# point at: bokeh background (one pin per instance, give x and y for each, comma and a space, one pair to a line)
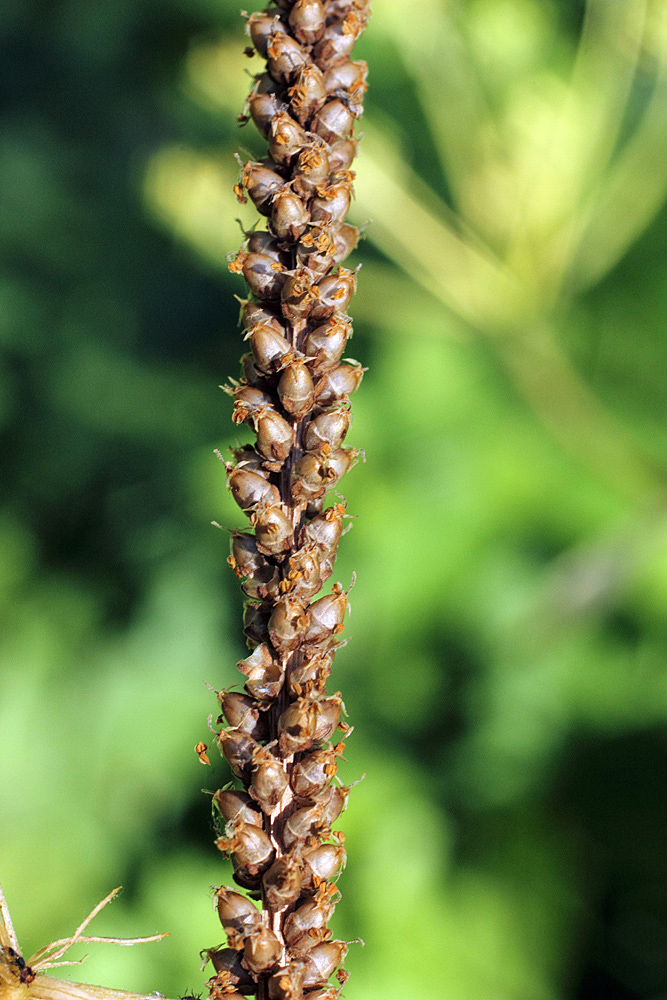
506, 672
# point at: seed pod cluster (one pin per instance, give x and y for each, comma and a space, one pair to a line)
280, 736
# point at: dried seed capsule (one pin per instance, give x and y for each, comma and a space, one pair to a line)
297, 726
250, 489
313, 773
299, 294
245, 560
255, 621
269, 779
247, 400
262, 951
241, 713
345, 241
263, 275
309, 921
253, 313
323, 862
263, 109
308, 482
296, 389
228, 961
337, 42
326, 343
307, 19
322, 961
336, 385
325, 529
289, 216
237, 749
284, 57
304, 574
310, 169
285, 984
236, 912
329, 428
316, 250
262, 185
282, 883
302, 824
336, 291
328, 717
287, 624
341, 155
265, 675
260, 27
247, 457
273, 530
286, 139
250, 846
333, 122
308, 93
234, 805
325, 616
331, 207
350, 76
268, 347
333, 801
275, 436
262, 242
312, 673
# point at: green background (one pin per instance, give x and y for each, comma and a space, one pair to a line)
506, 672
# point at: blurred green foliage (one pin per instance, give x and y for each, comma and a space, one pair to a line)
506, 673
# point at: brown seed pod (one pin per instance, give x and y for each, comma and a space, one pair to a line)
301, 824
297, 726
284, 57
329, 428
250, 489
313, 773
341, 155
336, 291
236, 912
268, 348
334, 121
304, 573
286, 983
263, 275
235, 805
260, 241
263, 577
333, 801
269, 779
247, 400
286, 139
227, 963
255, 622
337, 42
321, 962
336, 385
307, 20
308, 94
262, 186
299, 294
289, 216
262, 950
311, 674
237, 748
250, 846
260, 27
265, 675
287, 624
316, 249
241, 713
328, 717
331, 207
296, 389
248, 458
349, 76
325, 529
275, 437
273, 530
311, 168
282, 882
253, 313
323, 862
308, 923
